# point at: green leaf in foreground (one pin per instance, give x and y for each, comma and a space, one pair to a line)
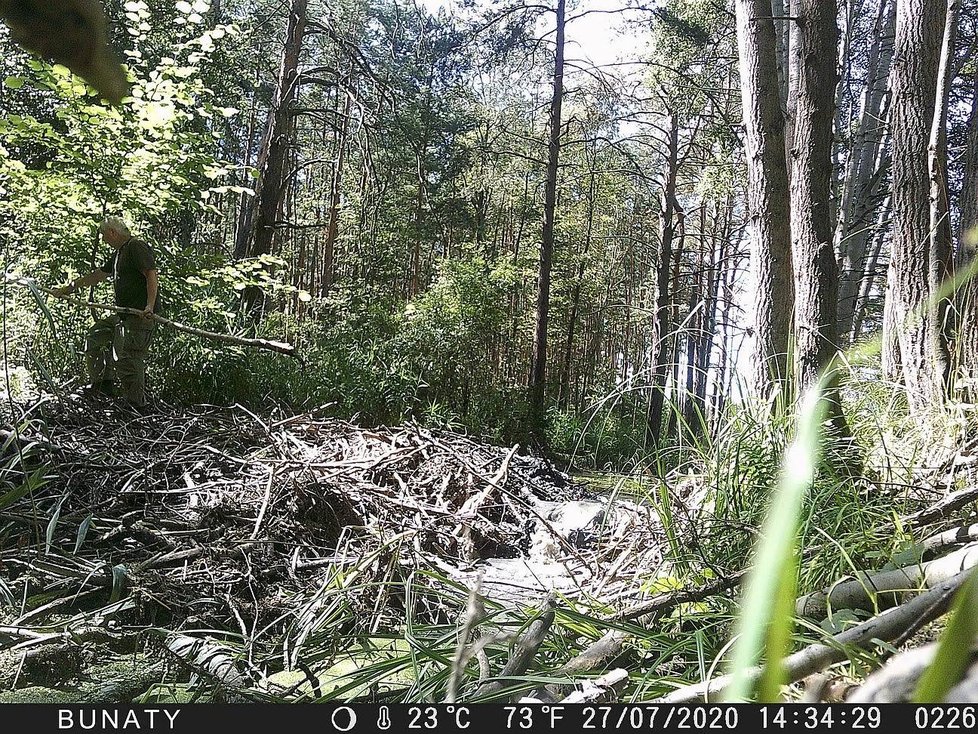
767, 614
954, 650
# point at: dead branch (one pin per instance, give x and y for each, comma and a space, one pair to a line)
526, 648
273, 346
942, 509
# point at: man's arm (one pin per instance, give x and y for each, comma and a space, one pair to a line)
84, 281
152, 285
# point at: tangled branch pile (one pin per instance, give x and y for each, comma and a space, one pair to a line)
221, 519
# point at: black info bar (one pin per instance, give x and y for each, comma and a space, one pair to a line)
479, 718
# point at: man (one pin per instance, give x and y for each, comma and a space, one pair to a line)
116, 347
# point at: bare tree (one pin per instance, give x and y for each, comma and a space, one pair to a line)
255, 237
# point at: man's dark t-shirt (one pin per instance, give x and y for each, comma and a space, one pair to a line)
126, 266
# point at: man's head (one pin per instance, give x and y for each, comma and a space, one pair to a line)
114, 231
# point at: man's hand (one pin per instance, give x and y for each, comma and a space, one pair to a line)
147, 312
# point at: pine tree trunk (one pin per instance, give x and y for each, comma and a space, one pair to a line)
663, 309
941, 248
968, 249
813, 255
911, 344
861, 189
565, 371
767, 193
335, 190
538, 376
271, 163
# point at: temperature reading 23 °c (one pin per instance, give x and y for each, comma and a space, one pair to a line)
430, 717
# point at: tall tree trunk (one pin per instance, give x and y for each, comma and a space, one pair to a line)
871, 270
816, 274
538, 376
335, 190
663, 297
968, 249
271, 161
767, 193
911, 344
861, 195
941, 248
565, 370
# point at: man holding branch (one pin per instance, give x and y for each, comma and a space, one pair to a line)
116, 346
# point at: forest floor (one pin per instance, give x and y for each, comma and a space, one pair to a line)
136, 527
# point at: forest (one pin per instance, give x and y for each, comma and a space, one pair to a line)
574, 351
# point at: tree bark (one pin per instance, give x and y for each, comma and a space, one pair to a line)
941, 248
816, 273
563, 397
663, 311
256, 238
968, 248
767, 193
908, 321
335, 190
538, 376
861, 195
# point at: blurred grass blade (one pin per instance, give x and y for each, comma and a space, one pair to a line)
766, 619
53, 524
82, 532
954, 650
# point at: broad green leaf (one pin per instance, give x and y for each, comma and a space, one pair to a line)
8, 499
14, 82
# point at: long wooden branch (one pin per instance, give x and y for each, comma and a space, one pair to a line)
273, 346
942, 509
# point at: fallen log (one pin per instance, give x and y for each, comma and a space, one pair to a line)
272, 346
881, 589
886, 627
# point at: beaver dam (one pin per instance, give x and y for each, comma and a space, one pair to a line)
214, 554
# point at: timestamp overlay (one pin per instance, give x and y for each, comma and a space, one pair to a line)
479, 718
